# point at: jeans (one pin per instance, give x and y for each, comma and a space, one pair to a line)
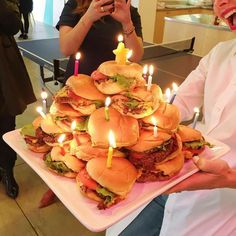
149, 221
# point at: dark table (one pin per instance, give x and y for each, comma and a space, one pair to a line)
172, 64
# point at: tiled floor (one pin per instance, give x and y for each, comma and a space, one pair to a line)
22, 216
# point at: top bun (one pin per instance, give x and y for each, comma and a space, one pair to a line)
147, 140
83, 86
37, 122
49, 126
188, 134
125, 128
129, 70
167, 117
119, 178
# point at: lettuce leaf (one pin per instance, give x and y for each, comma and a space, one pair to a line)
28, 130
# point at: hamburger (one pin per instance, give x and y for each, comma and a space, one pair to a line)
107, 186
192, 140
63, 164
87, 151
51, 131
112, 78
33, 136
79, 96
125, 128
156, 158
64, 119
138, 102
167, 117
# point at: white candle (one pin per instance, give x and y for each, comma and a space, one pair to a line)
112, 144
44, 96
196, 115
60, 141
40, 111
129, 54
107, 104
174, 89
167, 95
151, 70
154, 121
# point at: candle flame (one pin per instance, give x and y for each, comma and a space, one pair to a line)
73, 125
154, 121
151, 70
61, 138
175, 87
44, 95
129, 54
168, 93
78, 55
40, 111
196, 110
145, 69
120, 38
107, 101
112, 140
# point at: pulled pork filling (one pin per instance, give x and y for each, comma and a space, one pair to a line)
147, 160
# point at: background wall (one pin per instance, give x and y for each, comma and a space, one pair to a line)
49, 11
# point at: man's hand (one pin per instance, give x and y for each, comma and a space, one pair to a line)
213, 174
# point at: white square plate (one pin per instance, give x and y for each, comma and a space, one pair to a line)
85, 210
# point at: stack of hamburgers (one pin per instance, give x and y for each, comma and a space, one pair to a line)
139, 154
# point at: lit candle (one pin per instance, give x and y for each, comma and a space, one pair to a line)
40, 111
44, 96
129, 55
154, 121
167, 95
60, 141
112, 144
174, 89
151, 70
196, 115
76, 69
121, 52
145, 70
107, 104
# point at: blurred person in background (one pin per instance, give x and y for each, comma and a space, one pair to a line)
16, 91
26, 7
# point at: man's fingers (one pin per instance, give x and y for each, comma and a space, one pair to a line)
217, 167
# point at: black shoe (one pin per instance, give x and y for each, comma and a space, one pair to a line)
8, 180
25, 36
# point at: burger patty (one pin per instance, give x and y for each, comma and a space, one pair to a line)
54, 138
151, 176
37, 140
147, 160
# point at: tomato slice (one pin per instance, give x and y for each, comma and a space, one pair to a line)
87, 180
73, 95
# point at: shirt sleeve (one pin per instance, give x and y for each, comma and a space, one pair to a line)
136, 19
68, 16
191, 92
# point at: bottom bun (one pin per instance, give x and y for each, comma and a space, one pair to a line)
91, 194
164, 171
39, 149
71, 174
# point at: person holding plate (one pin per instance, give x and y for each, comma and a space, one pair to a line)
211, 208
